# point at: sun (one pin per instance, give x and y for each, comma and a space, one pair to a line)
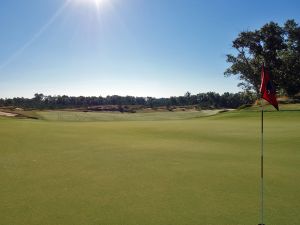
97, 3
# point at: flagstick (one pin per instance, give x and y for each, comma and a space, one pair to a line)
262, 163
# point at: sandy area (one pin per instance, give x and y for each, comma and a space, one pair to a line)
7, 114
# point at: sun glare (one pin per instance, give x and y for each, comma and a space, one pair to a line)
97, 3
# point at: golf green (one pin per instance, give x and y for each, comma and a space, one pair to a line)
192, 170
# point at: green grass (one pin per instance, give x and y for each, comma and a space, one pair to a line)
153, 171
268, 107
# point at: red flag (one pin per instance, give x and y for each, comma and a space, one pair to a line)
267, 88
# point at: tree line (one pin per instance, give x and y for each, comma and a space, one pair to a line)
201, 100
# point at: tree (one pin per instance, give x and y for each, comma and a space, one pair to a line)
291, 58
278, 47
202, 100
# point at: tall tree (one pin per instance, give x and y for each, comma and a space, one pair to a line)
277, 47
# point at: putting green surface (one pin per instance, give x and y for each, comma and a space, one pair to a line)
202, 171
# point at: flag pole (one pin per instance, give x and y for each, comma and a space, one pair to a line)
268, 93
262, 166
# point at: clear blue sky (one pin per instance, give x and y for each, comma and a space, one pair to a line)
125, 47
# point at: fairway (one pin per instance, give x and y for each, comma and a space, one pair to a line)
154, 170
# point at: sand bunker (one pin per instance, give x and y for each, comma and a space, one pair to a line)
7, 114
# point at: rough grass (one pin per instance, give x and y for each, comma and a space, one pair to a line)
73, 116
202, 171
